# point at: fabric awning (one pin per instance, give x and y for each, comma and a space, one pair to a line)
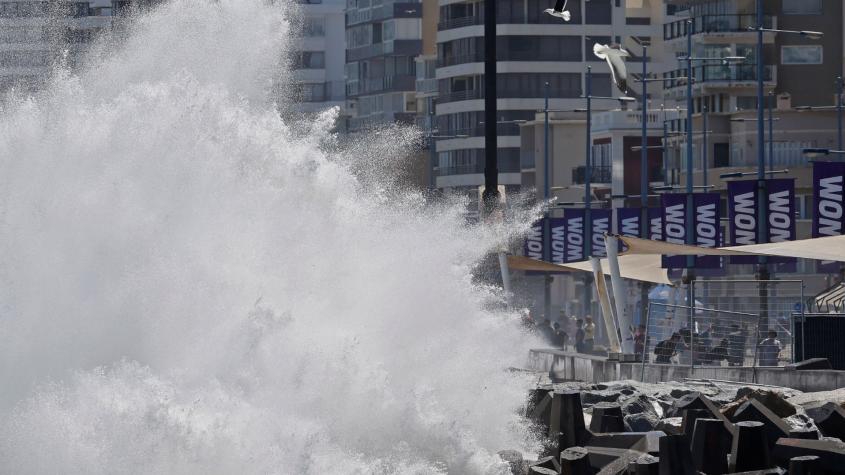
645, 268
831, 248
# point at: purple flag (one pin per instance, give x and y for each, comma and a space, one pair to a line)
742, 217
628, 222
557, 227
707, 227
601, 222
828, 216
674, 226
781, 218
574, 223
655, 224
533, 247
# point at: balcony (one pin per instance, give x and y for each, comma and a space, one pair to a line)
461, 170
456, 96
452, 60
720, 73
598, 174
460, 22
714, 24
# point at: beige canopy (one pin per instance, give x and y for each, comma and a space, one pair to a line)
831, 248
642, 267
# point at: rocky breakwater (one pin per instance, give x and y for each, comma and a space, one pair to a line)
627, 427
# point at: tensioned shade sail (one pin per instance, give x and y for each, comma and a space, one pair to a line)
644, 268
830, 248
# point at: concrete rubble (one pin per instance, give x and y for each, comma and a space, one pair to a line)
694, 427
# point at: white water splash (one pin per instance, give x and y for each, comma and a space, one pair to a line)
187, 285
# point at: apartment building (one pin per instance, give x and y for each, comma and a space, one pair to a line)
317, 61
37, 36
383, 39
533, 49
799, 71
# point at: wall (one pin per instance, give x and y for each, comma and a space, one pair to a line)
594, 369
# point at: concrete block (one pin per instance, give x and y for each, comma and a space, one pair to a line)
829, 418
711, 444
647, 465
775, 427
675, 456
575, 461
805, 465
831, 453
547, 462
541, 471
607, 417
689, 417
810, 364
514, 459
750, 448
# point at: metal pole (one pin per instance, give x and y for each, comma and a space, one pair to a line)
704, 146
604, 300
547, 238
432, 181
491, 172
643, 200
771, 138
762, 199
839, 86
623, 320
664, 143
689, 208
588, 224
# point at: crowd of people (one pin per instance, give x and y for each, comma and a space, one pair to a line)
711, 343
716, 344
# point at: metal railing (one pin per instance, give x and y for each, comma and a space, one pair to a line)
459, 22
598, 174
747, 323
456, 96
714, 24
719, 73
453, 60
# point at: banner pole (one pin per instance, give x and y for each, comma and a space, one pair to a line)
604, 301
612, 244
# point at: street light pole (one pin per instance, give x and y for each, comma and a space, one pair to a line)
643, 186
588, 223
771, 136
547, 239
704, 147
839, 87
763, 271
690, 276
491, 172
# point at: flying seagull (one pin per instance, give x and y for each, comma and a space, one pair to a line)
559, 10
614, 55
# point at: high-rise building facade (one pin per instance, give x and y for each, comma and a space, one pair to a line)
319, 56
383, 38
37, 36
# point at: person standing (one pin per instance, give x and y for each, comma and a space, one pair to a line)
639, 341
579, 336
769, 350
589, 334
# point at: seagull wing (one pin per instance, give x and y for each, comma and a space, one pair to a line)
618, 70
600, 51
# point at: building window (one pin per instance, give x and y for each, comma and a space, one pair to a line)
314, 27
805, 54
721, 155
309, 60
802, 7
598, 12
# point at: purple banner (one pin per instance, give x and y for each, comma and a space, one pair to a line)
628, 221
557, 227
828, 216
707, 227
781, 218
742, 217
533, 246
601, 222
655, 224
674, 226
574, 224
